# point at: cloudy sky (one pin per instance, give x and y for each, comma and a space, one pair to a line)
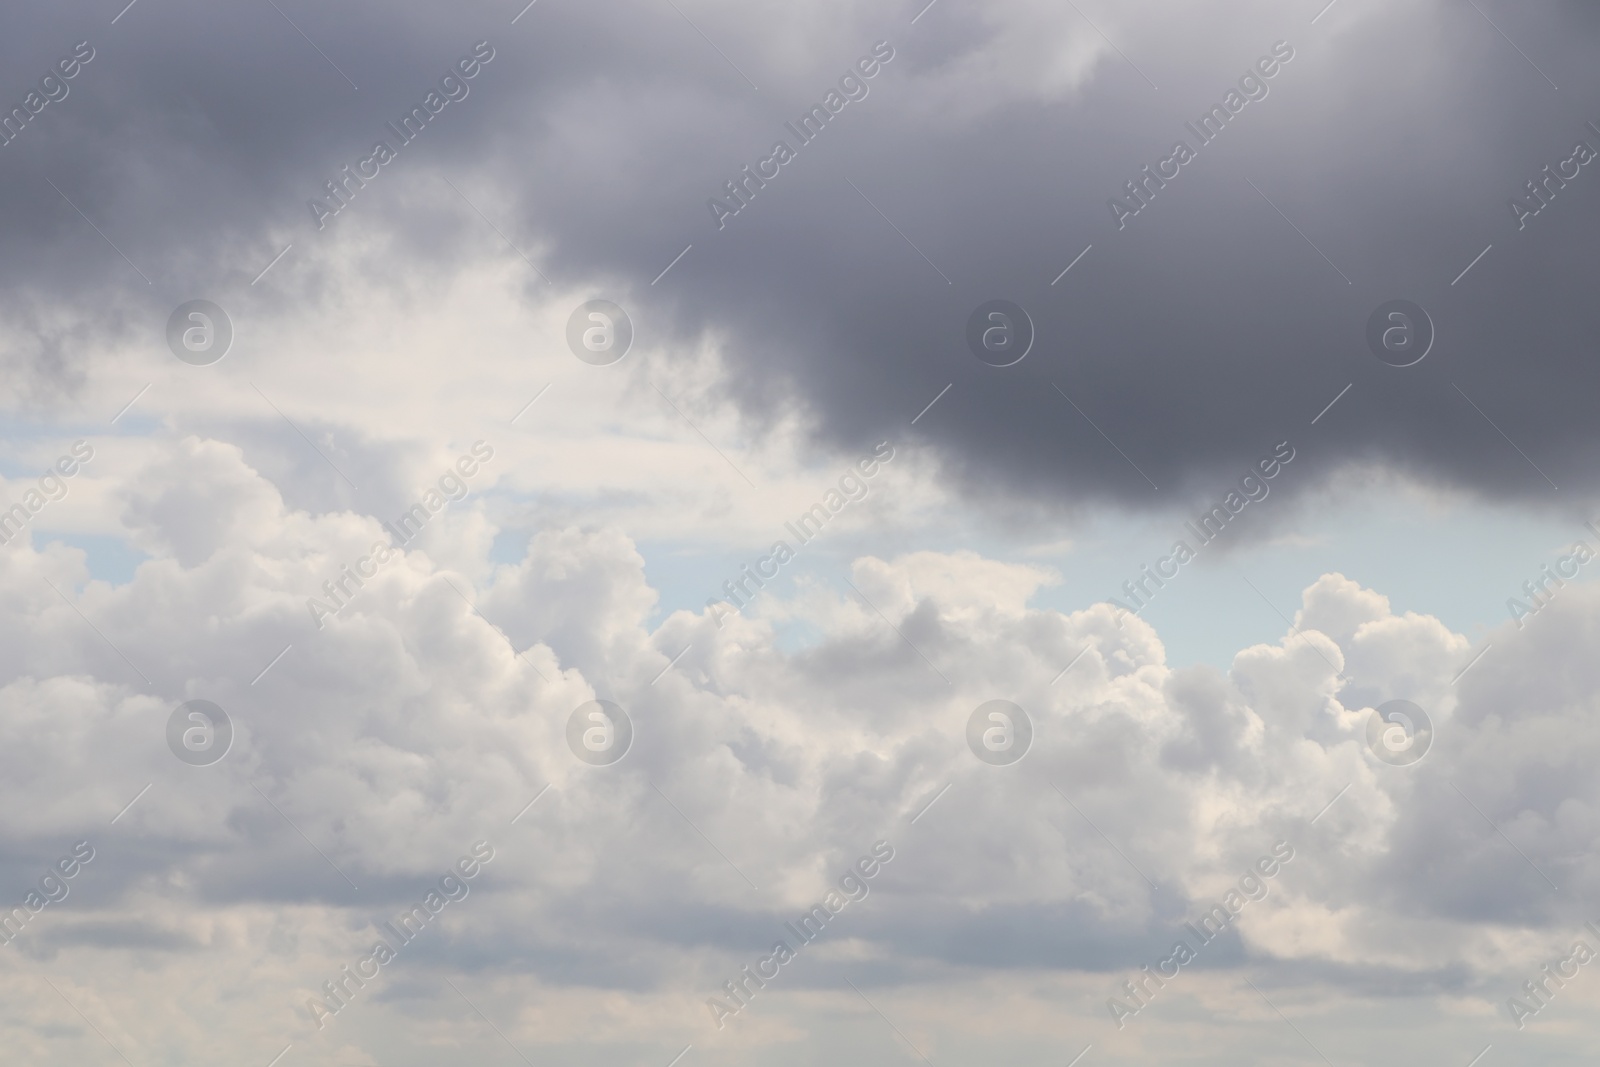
558, 491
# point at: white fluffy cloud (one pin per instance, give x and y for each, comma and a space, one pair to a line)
397, 711
410, 726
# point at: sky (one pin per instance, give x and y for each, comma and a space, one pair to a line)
672, 533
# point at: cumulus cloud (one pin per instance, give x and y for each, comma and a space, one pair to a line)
429, 714
399, 700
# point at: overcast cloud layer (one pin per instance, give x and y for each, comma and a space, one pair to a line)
405, 398
994, 138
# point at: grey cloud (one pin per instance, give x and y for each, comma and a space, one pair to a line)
1194, 339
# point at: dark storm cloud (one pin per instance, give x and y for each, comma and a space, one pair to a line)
1189, 341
